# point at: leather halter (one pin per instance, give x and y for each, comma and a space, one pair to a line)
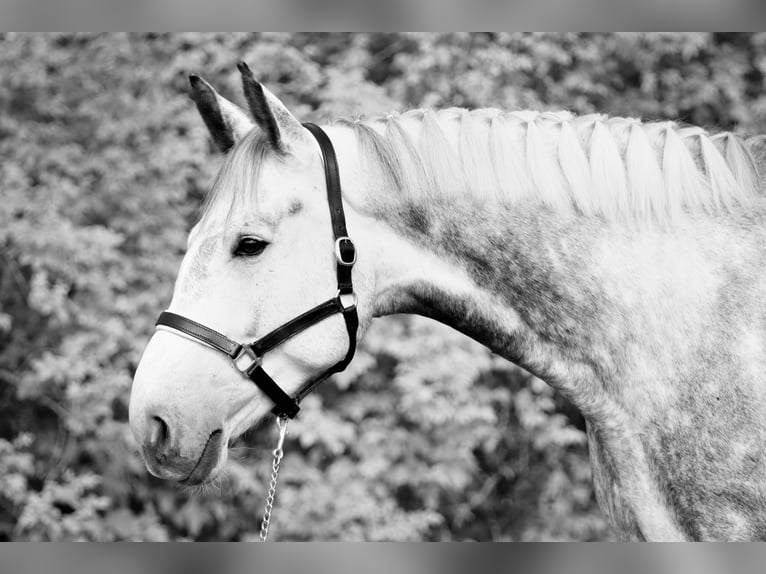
247, 358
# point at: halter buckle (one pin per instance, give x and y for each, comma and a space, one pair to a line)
246, 359
344, 246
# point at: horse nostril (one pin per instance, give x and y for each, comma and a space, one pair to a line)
157, 437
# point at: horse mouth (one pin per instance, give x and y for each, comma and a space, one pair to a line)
207, 462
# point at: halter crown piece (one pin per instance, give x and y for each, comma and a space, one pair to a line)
247, 357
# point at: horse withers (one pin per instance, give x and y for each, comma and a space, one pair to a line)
622, 262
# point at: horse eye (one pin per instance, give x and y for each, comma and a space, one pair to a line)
249, 247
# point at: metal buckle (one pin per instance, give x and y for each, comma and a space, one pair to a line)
246, 353
347, 306
339, 255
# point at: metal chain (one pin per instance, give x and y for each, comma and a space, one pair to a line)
278, 453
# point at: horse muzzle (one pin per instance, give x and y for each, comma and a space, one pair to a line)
190, 464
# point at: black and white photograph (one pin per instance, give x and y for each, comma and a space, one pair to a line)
383, 287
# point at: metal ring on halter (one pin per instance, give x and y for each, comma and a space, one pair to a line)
246, 353
350, 301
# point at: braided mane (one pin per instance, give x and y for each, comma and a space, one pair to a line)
614, 167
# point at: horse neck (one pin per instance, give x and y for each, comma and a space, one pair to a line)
515, 280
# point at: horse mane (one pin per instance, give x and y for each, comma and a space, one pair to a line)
613, 167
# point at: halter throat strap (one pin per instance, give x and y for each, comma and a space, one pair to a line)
247, 357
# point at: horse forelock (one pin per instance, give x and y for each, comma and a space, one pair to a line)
235, 187
614, 167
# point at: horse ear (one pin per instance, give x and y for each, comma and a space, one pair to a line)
270, 114
226, 121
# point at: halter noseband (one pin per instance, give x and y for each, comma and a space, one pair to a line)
247, 358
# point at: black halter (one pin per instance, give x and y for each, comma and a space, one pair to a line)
248, 357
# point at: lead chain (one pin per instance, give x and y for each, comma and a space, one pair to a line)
278, 453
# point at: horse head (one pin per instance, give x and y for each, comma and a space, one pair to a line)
263, 252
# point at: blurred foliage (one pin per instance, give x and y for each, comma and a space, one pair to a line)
427, 436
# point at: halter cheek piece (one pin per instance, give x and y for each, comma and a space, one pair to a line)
247, 358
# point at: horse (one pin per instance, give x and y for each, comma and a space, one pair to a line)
621, 261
